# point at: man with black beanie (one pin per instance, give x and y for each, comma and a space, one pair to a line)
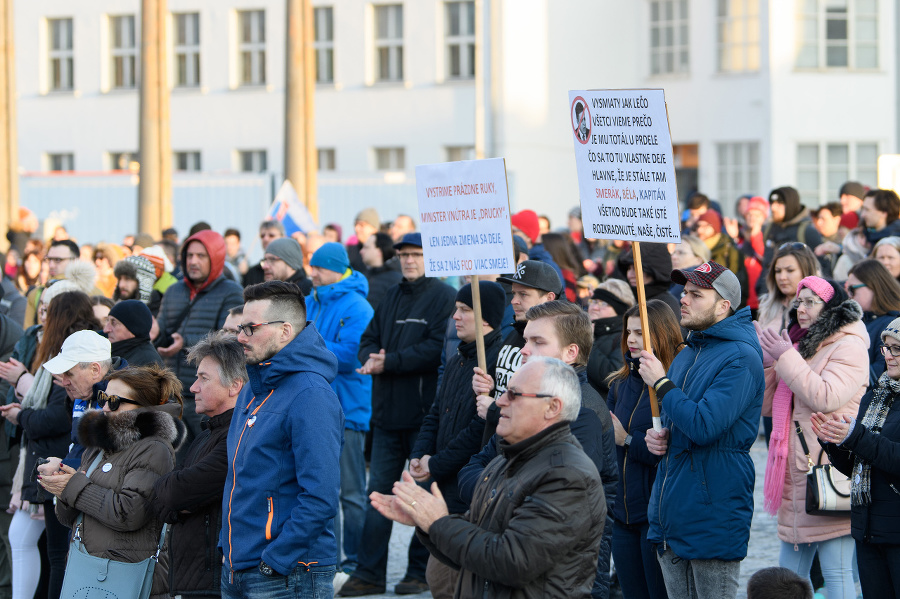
128, 330
451, 432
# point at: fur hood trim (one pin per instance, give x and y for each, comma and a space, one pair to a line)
115, 431
830, 321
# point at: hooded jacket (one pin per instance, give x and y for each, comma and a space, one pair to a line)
205, 306
606, 352
892, 229
655, 260
409, 325
118, 521
826, 375
702, 499
341, 314
796, 225
284, 449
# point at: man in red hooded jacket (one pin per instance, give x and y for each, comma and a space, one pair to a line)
192, 308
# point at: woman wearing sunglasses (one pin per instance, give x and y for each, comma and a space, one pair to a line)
137, 430
867, 449
812, 366
878, 294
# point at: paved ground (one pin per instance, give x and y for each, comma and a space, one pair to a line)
763, 551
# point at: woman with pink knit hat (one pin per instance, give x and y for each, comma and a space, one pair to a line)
812, 366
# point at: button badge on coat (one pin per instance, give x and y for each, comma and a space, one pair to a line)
107, 467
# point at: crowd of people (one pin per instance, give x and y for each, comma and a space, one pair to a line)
269, 421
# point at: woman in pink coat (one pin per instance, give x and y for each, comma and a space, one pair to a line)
818, 364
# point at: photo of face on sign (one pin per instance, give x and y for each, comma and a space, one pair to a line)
581, 120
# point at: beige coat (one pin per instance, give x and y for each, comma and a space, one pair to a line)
832, 380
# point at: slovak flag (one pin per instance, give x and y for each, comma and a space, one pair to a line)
290, 211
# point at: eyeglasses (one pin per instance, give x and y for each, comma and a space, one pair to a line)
851, 289
247, 329
886, 349
807, 303
794, 245
405, 255
270, 260
114, 401
513, 395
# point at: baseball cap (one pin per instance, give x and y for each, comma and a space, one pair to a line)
712, 275
81, 346
409, 239
537, 275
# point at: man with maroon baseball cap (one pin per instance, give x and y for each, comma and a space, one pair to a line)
702, 501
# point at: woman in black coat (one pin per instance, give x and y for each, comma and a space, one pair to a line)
867, 448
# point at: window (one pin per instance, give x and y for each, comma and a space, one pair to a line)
187, 49
456, 153
60, 162
460, 32
123, 51
252, 48
668, 36
838, 34
737, 35
252, 161
120, 161
326, 159
389, 42
738, 173
823, 167
323, 19
187, 161
62, 58
390, 159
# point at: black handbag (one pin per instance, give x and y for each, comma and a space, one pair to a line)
827, 489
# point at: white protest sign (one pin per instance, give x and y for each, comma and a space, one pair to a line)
626, 175
464, 216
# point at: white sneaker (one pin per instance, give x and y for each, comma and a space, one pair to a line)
339, 579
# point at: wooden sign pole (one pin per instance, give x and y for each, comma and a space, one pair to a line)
479, 329
645, 328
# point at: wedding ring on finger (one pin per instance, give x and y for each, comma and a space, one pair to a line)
413, 504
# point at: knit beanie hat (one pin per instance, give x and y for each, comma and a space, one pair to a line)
368, 215
758, 203
493, 301
141, 269
135, 315
527, 222
331, 256
892, 330
712, 218
817, 285
157, 256
288, 250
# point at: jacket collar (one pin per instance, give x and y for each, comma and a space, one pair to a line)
222, 420
115, 431
528, 447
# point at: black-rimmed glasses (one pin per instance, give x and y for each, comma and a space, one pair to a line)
886, 349
247, 329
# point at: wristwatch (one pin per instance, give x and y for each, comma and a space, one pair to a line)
265, 569
627, 442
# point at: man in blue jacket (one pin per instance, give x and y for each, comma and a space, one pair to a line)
340, 311
702, 500
284, 450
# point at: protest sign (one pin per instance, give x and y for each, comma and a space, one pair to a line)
626, 173
464, 216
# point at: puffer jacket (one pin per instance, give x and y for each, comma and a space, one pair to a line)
451, 432
702, 499
190, 498
535, 524
409, 325
629, 401
825, 374
879, 521
284, 450
606, 352
341, 314
118, 522
209, 305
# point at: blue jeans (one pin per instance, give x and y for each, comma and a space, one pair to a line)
353, 496
314, 582
390, 449
699, 578
636, 564
835, 557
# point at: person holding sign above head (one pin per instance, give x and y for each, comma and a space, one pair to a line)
702, 500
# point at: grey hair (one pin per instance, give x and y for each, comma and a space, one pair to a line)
224, 348
105, 365
560, 380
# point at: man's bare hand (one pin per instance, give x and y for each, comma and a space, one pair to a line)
651, 368
483, 403
657, 442
374, 365
418, 468
172, 350
482, 383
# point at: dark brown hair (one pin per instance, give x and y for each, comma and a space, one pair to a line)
561, 252
151, 385
287, 299
665, 335
68, 312
885, 288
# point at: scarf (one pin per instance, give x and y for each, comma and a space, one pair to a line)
882, 399
779, 442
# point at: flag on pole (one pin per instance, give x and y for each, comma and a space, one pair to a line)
290, 211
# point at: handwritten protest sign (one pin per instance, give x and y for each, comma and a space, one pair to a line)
464, 216
626, 174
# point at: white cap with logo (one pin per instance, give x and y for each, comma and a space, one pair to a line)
79, 347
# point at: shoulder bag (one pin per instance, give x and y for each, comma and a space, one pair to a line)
827, 490
89, 577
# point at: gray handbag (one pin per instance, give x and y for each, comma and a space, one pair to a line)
89, 577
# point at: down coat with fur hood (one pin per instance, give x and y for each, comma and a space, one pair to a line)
138, 448
828, 372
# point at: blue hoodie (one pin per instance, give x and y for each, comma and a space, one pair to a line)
702, 499
284, 449
341, 314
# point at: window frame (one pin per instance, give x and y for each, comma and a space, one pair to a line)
251, 53
187, 75
680, 27
57, 57
128, 55
388, 51
59, 157
323, 43
746, 27
258, 161
462, 42
391, 158
830, 175
192, 159
740, 174
813, 53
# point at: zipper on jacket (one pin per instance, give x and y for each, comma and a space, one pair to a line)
208, 564
269, 519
